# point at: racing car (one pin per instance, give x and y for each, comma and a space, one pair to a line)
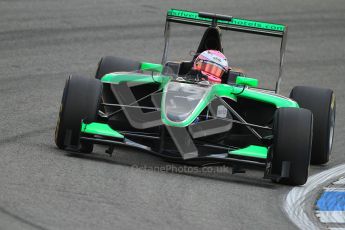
160, 108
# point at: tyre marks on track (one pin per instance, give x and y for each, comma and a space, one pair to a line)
21, 220
17, 137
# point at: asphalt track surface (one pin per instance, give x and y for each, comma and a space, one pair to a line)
42, 42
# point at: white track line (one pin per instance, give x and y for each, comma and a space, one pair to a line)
341, 181
332, 189
295, 200
337, 217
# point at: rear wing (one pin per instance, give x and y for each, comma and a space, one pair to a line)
225, 22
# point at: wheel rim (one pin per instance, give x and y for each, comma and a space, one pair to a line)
331, 133
331, 125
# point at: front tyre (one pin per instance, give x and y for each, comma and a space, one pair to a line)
292, 132
80, 102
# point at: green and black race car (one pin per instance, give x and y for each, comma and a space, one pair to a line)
161, 109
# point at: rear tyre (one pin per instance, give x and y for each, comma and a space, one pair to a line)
292, 131
321, 102
80, 102
111, 64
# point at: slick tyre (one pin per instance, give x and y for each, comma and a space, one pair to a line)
80, 102
292, 132
321, 102
111, 64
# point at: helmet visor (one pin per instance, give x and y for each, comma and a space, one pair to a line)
209, 67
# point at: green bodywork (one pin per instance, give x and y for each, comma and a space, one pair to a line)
116, 78
100, 129
252, 82
251, 151
139, 77
147, 66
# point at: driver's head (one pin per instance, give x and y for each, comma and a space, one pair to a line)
213, 64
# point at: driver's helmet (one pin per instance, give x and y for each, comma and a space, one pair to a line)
211, 63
